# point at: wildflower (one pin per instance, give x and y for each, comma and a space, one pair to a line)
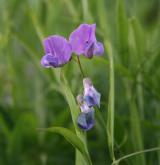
86, 102
57, 52
91, 96
83, 41
86, 120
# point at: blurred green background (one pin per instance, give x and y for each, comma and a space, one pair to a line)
30, 96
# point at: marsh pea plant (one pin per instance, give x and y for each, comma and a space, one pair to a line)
58, 52
95, 96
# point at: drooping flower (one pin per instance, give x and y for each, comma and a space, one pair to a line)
57, 52
83, 41
86, 120
86, 102
91, 96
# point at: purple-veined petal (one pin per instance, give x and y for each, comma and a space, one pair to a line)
82, 104
90, 101
86, 120
48, 61
89, 51
60, 50
82, 37
92, 36
84, 107
91, 96
98, 48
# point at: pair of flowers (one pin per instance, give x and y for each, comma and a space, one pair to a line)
87, 102
58, 51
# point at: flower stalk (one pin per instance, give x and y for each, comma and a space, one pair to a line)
80, 66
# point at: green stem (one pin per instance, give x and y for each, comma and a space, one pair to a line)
80, 66
110, 119
134, 154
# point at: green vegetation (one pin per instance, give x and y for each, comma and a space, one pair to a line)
33, 98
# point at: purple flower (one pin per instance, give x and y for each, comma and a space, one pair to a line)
91, 96
83, 41
86, 120
82, 104
57, 52
86, 102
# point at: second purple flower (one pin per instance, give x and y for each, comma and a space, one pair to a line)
83, 41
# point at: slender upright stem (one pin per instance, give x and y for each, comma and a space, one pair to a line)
110, 119
80, 66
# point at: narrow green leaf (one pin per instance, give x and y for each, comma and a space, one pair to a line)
138, 37
71, 138
71, 102
110, 119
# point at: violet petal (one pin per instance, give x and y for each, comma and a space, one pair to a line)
82, 37
98, 48
48, 61
86, 120
92, 97
60, 50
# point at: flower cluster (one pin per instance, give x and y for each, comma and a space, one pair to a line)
87, 102
58, 50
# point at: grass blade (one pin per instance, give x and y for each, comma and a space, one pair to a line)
110, 120
134, 154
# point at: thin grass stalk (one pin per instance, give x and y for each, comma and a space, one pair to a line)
135, 154
110, 118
